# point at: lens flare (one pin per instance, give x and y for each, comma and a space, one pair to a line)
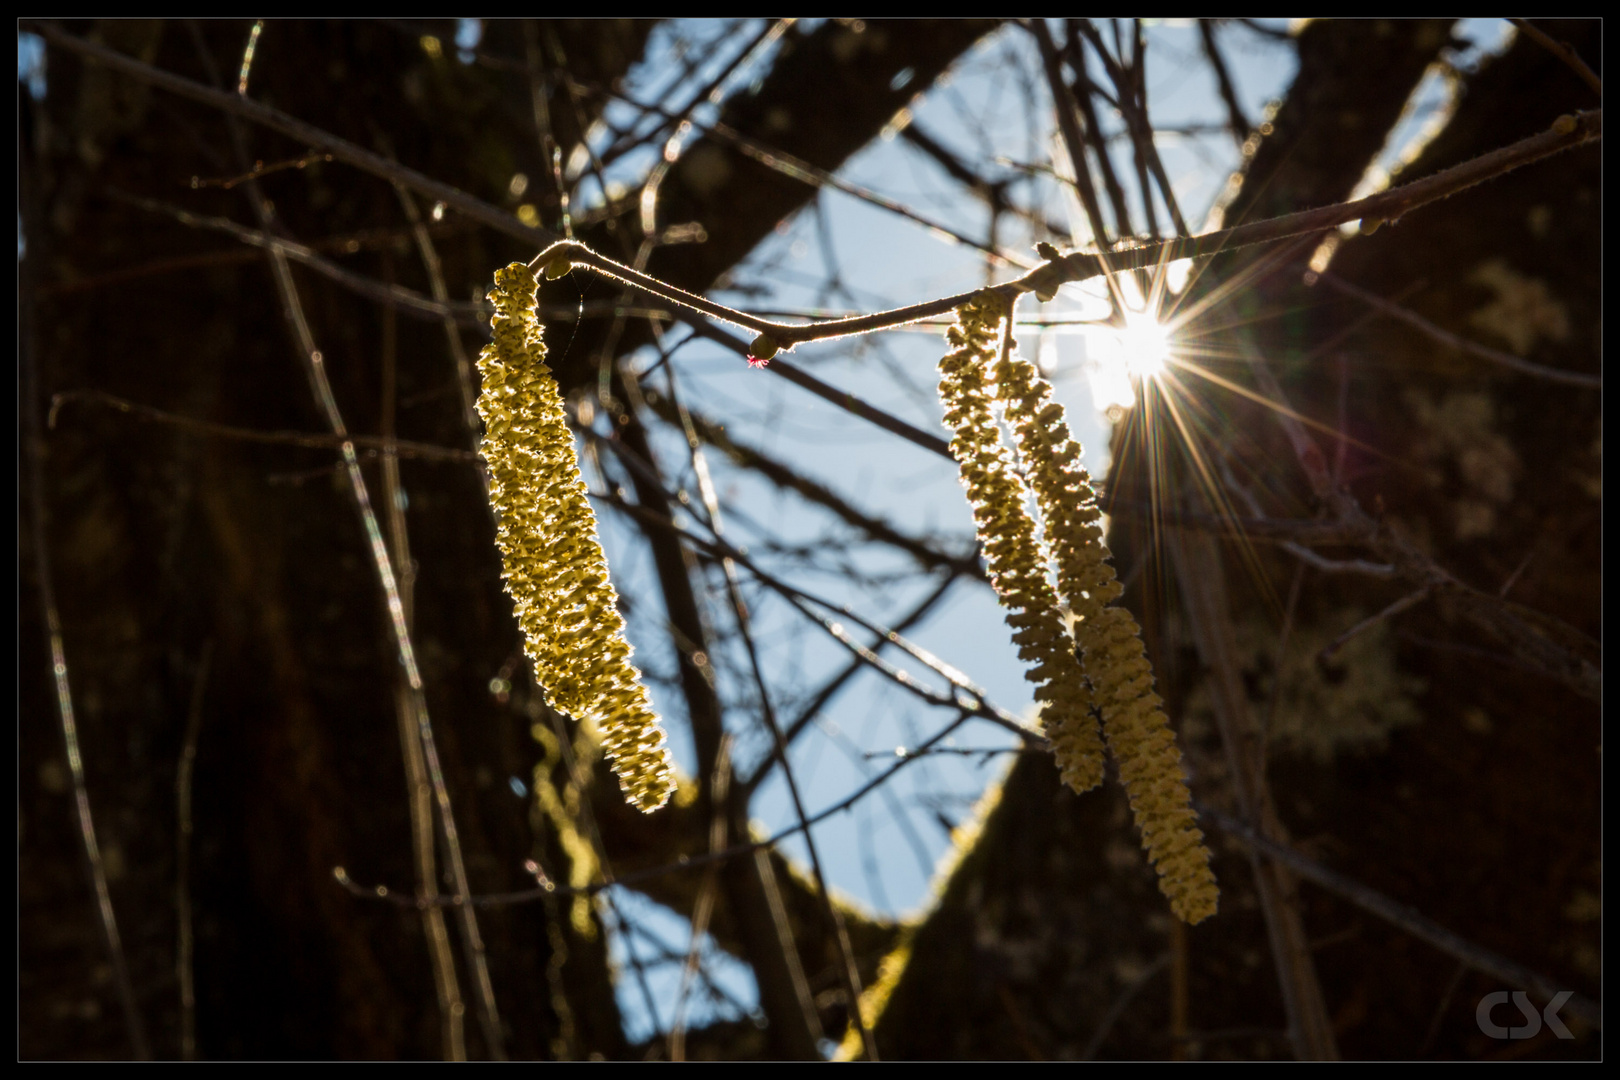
1144, 345
1123, 356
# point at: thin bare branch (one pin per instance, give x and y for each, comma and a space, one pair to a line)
1223, 80
1073, 140
1457, 341
405, 448
783, 476
33, 447
1407, 601
1419, 926
1564, 52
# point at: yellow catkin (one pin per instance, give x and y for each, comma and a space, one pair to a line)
1013, 552
1116, 663
555, 571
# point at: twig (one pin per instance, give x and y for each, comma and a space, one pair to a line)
1203, 584
1566, 132
1083, 90
1123, 1001
1564, 51
986, 752
402, 447
1337, 566
441, 295
1407, 919
835, 920
1410, 600
713, 94
825, 391
33, 446
788, 165
1129, 87
718, 785
395, 296
876, 528
630, 880
1223, 80
831, 687
980, 706
247, 57
184, 969
1457, 341
419, 792
1073, 140
261, 169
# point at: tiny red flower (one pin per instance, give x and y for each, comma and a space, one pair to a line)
756, 362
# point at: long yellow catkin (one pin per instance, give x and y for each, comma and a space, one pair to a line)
555, 571
1116, 663
1012, 550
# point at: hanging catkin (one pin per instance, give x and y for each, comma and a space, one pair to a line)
1117, 677
554, 567
1012, 550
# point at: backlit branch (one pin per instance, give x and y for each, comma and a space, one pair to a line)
1566, 132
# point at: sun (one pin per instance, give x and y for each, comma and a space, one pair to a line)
1144, 345
1121, 356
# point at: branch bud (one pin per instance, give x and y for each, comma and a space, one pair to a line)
763, 348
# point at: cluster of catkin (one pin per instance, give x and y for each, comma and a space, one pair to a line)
1110, 673
553, 563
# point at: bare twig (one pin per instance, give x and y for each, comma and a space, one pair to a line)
1409, 600
394, 296
1409, 920
1337, 566
33, 446
1564, 51
845, 400
404, 448
975, 703
1457, 341
452, 1010
1566, 132
695, 862
1223, 79
876, 528
184, 968
1202, 579
718, 784
1083, 90
1123, 1002
851, 977
441, 295
1073, 140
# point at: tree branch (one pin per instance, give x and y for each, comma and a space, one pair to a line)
1565, 133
